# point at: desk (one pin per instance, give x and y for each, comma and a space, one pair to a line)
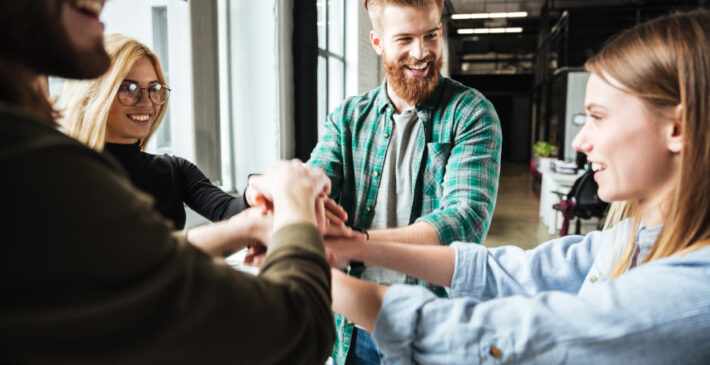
554, 182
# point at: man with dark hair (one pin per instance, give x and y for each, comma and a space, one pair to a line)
414, 161
90, 273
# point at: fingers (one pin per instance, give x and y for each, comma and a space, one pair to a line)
321, 219
333, 219
255, 254
336, 210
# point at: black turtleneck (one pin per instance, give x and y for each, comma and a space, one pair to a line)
173, 181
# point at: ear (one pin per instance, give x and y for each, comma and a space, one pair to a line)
376, 42
674, 133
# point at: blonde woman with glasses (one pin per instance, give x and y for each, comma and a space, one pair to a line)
637, 292
119, 112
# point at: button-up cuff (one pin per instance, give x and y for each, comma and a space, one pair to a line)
469, 279
396, 323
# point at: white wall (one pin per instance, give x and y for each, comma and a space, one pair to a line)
370, 73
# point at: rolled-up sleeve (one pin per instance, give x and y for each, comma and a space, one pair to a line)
560, 264
470, 184
622, 321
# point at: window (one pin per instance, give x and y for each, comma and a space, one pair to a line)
160, 47
331, 57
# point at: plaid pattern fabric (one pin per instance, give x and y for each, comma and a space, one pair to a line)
456, 178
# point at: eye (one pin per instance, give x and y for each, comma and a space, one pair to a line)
594, 117
128, 87
430, 36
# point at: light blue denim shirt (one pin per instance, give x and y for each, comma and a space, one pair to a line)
554, 305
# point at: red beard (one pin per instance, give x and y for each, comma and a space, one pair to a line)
413, 91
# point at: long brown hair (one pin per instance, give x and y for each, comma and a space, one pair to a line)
666, 62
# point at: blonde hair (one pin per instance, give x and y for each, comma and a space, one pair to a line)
666, 62
374, 8
87, 103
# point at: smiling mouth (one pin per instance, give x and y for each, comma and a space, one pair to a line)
91, 8
419, 67
596, 166
139, 117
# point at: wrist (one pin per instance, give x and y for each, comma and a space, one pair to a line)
287, 212
362, 230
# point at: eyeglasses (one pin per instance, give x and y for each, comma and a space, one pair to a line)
129, 93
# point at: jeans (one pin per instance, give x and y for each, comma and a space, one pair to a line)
362, 349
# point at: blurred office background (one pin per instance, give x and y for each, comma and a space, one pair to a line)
253, 81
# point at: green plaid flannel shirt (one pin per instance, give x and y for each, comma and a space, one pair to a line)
456, 180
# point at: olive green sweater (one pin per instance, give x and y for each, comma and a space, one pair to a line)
90, 273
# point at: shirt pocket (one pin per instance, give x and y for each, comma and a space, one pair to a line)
437, 157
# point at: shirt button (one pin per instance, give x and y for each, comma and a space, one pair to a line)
377, 173
368, 209
495, 352
593, 279
387, 135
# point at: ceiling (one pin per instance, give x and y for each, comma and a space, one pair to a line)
531, 6
593, 22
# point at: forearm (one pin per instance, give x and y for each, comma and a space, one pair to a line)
220, 239
357, 300
434, 264
420, 233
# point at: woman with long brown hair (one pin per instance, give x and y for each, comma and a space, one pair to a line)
637, 292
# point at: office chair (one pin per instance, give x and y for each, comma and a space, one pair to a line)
581, 202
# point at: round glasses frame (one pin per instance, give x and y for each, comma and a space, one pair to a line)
129, 93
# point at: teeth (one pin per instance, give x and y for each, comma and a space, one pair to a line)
91, 6
596, 166
139, 117
418, 68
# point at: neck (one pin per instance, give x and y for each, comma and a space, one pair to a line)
119, 140
654, 209
400, 105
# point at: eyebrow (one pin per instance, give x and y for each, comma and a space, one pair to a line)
409, 34
594, 105
136, 82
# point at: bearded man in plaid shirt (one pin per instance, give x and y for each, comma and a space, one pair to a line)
415, 160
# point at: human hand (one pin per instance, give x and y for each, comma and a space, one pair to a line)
259, 223
251, 192
255, 254
335, 214
341, 251
343, 231
296, 192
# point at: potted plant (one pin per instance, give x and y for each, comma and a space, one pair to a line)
544, 153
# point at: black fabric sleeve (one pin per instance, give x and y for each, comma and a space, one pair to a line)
203, 197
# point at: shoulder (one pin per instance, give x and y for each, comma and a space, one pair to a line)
611, 243
355, 106
24, 139
169, 161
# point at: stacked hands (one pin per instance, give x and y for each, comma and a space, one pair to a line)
291, 192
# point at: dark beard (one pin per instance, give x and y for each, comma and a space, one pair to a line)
412, 91
34, 36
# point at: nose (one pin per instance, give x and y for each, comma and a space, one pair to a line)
145, 98
581, 141
418, 50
